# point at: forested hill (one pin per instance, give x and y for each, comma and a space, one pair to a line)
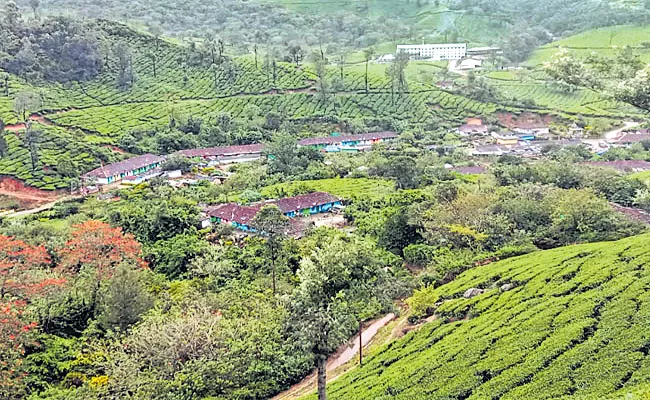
518, 25
571, 322
86, 86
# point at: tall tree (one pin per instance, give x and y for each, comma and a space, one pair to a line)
4, 147
31, 140
273, 226
323, 82
23, 278
101, 248
368, 55
125, 74
34, 4
125, 299
151, 55
11, 13
26, 103
396, 74
341, 277
5, 79
296, 54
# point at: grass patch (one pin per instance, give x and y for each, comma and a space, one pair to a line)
346, 188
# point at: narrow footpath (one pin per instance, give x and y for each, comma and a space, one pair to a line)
344, 354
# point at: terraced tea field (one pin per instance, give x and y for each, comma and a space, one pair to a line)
605, 41
573, 325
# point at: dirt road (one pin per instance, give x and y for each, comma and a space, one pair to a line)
31, 211
345, 353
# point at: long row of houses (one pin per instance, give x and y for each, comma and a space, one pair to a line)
330, 144
141, 167
241, 217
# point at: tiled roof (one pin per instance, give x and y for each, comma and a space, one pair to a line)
633, 137
347, 138
224, 151
301, 202
530, 125
233, 212
244, 214
622, 165
259, 147
125, 166
473, 128
470, 170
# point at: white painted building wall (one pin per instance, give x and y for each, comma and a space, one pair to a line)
443, 51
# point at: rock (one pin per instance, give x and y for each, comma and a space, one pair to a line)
507, 286
472, 293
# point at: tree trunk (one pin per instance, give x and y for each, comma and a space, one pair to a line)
273, 274
360, 345
322, 377
366, 77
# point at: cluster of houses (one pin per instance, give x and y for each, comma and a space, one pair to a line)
241, 217
329, 144
142, 168
527, 137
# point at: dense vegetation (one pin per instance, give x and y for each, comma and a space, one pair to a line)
518, 26
570, 324
130, 295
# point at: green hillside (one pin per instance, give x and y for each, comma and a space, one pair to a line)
604, 41
575, 325
173, 83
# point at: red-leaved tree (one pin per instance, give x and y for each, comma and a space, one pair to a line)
97, 245
23, 277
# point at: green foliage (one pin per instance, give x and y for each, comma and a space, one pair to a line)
573, 325
157, 218
124, 299
172, 256
347, 188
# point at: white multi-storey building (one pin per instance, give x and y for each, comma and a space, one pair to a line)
444, 51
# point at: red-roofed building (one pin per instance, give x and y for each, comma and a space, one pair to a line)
241, 216
627, 138
136, 166
472, 129
475, 170
307, 204
252, 152
363, 139
622, 165
228, 154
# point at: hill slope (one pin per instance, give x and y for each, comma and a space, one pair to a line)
575, 324
604, 41
177, 82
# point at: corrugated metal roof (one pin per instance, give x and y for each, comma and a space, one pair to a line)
125, 166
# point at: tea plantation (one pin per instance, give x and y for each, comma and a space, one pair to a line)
169, 80
346, 188
574, 324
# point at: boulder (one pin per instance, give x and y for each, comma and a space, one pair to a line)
473, 292
507, 286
